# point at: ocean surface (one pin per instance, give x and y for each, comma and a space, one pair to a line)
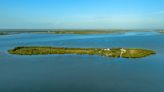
82, 73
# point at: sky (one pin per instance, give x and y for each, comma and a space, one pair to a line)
81, 14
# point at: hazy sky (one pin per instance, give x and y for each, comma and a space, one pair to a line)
85, 14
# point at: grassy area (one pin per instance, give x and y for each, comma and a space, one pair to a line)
114, 52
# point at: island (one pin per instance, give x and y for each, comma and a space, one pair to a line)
83, 32
161, 31
79, 31
109, 52
3, 33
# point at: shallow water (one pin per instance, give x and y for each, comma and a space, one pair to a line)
82, 73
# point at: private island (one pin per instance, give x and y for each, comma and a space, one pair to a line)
79, 32
3, 33
109, 52
85, 31
162, 31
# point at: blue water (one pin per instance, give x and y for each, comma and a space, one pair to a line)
82, 73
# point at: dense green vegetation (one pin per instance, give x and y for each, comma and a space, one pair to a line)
3, 33
114, 52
